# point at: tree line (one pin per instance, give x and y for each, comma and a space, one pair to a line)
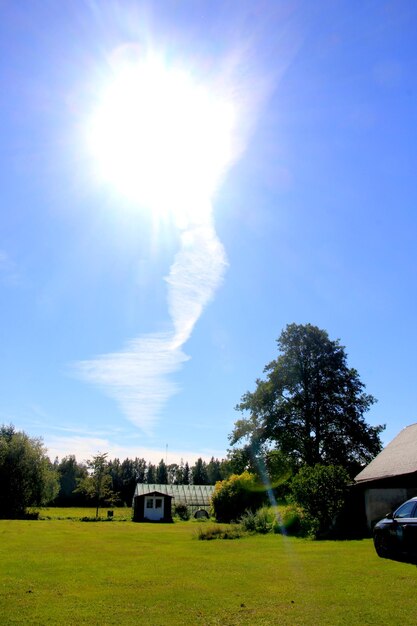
308, 412
124, 475
28, 478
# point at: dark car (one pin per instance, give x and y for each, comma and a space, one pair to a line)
395, 536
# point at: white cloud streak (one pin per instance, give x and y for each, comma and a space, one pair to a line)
194, 277
138, 377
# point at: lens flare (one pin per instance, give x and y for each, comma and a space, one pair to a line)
162, 138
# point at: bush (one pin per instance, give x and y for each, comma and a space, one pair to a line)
207, 533
321, 491
235, 495
291, 521
262, 521
182, 511
248, 521
31, 515
287, 519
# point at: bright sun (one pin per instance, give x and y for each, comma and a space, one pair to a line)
162, 139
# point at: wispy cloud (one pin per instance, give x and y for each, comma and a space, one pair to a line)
138, 377
194, 277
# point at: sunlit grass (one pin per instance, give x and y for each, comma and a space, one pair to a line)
76, 513
70, 572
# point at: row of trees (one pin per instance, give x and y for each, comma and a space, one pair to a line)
29, 479
307, 412
122, 477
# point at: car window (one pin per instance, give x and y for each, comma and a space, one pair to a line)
406, 510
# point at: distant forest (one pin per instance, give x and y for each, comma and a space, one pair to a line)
125, 474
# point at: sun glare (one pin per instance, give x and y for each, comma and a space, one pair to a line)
161, 138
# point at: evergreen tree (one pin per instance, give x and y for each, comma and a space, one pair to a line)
199, 473
70, 473
140, 470
186, 474
214, 472
151, 474
162, 473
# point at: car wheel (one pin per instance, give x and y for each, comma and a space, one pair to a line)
381, 547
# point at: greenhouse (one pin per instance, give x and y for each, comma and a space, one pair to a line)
151, 501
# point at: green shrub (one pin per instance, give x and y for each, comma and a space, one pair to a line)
265, 519
287, 519
262, 521
32, 515
248, 522
290, 520
182, 511
207, 533
321, 491
235, 495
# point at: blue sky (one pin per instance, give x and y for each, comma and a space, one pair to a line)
313, 221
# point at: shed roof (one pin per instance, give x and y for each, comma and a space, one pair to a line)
399, 457
193, 495
154, 493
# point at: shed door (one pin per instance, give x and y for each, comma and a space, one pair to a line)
154, 508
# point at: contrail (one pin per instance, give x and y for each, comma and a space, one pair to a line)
138, 377
199, 140
195, 275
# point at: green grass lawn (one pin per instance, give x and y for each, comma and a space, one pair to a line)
71, 572
76, 513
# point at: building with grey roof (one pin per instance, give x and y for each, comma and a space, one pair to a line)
391, 478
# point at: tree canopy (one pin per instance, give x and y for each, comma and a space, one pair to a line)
69, 474
97, 485
27, 477
310, 405
199, 473
162, 473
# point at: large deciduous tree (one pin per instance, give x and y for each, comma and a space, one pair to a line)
27, 477
310, 405
98, 484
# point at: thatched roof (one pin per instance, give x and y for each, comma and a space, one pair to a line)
399, 457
